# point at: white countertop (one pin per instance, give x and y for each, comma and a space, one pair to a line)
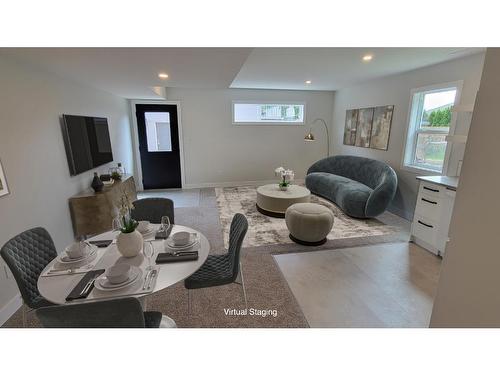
451, 182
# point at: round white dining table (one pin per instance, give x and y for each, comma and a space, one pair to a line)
56, 288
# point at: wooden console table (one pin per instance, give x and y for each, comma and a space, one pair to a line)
92, 213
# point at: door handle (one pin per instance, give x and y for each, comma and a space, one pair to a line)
434, 190
427, 225
428, 201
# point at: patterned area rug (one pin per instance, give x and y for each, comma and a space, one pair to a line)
265, 230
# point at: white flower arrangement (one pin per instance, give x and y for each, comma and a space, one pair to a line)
286, 175
125, 206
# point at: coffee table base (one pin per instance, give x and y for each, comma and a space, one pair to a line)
270, 213
306, 243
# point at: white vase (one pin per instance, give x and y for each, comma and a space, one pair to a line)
129, 244
283, 188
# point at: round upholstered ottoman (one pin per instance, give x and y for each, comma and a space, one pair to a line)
309, 223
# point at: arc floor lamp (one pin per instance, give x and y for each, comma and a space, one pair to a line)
310, 136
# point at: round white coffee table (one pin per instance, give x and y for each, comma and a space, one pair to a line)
272, 201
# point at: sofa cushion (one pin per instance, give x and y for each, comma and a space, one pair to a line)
348, 194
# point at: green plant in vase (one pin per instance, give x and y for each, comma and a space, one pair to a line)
116, 176
129, 241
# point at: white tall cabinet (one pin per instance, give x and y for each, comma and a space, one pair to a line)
431, 221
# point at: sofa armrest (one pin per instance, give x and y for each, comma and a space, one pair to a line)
381, 197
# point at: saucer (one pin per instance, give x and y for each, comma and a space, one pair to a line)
65, 259
192, 241
102, 282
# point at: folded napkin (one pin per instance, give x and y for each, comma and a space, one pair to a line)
101, 243
163, 235
77, 291
180, 257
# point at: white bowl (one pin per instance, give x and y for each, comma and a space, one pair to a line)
118, 273
181, 238
76, 250
143, 226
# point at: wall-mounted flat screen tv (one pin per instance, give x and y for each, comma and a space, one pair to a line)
87, 142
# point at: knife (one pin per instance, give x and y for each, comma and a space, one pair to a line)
153, 274
146, 279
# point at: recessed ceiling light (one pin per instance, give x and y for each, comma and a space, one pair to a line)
163, 75
367, 57
308, 82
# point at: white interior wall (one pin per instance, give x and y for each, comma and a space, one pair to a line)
467, 294
395, 90
33, 155
216, 152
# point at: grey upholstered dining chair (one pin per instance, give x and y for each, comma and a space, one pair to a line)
225, 268
117, 313
153, 209
27, 254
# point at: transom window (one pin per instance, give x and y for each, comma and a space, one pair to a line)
429, 125
268, 113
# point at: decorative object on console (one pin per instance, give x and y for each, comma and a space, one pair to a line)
4, 190
310, 136
97, 184
287, 176
129, 241
368, 127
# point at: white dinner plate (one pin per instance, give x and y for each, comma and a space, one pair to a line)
192, 241
65, 259
102, 282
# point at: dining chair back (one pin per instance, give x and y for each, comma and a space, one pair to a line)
153, 209
225, 268
27, 254
117, 313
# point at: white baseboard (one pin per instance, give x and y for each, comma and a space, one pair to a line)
235, 183
10, 308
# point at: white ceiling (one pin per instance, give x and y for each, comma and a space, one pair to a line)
334, 68
133, 72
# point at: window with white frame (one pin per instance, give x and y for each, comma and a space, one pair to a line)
430, 122
268, 113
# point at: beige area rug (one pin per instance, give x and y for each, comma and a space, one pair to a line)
266, 230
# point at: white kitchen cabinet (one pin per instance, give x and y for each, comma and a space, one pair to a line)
431, 222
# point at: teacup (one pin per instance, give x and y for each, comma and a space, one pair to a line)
77, 250
118, 273
143, 226
181, 238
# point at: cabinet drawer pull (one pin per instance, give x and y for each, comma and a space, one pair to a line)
428, 201
427, 225
434, 190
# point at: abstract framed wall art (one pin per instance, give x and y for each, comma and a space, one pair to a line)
351, 123
381, 128
364, 128
4, 190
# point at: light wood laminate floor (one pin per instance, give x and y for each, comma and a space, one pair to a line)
386, 285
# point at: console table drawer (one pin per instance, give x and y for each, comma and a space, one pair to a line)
425, 229
430, 190
429, 206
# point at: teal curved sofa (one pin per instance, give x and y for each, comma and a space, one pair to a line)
361, 187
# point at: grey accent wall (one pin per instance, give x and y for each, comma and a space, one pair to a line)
218, 152
396, 90
33, 156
